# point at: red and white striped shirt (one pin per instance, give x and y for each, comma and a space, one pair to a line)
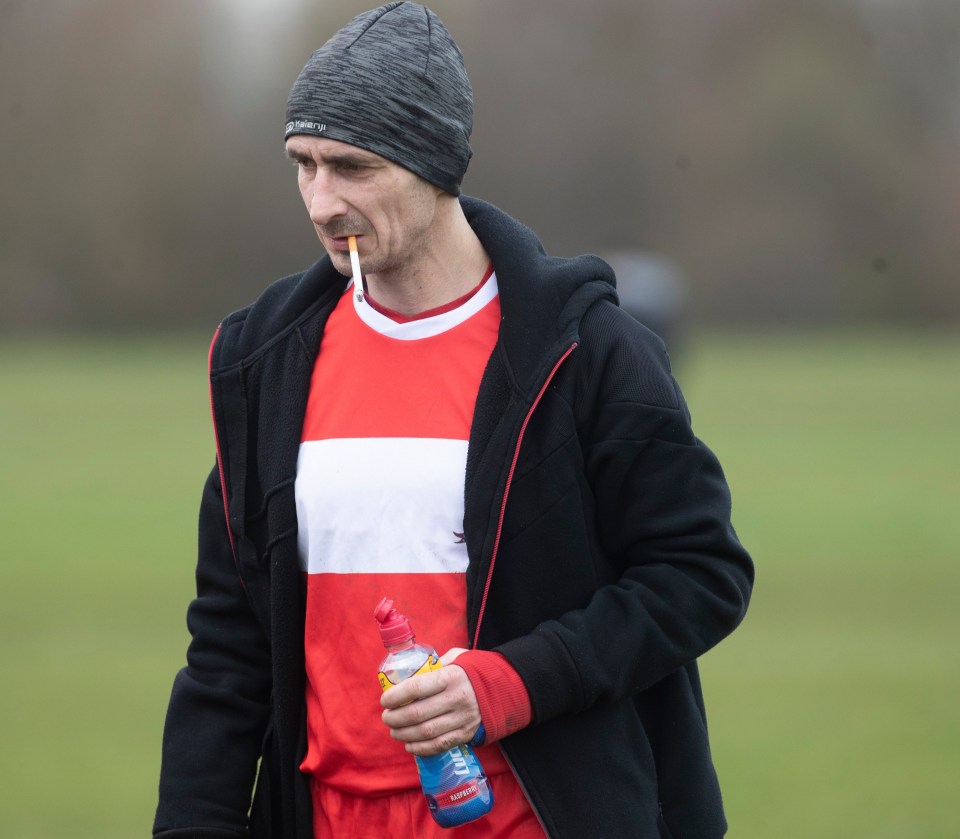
379, 489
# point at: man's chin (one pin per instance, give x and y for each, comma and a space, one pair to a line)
341, 262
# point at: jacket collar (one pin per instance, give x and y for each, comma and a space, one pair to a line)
542, 299
557, 290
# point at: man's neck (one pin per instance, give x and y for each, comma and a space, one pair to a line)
450, 264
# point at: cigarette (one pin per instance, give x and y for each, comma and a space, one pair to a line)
355, 266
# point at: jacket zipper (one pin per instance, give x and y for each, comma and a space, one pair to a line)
216, 439
506, 490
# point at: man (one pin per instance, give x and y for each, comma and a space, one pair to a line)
477, 431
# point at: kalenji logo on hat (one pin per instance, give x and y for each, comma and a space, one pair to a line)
304, 125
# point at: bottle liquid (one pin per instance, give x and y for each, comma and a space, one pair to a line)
454, 783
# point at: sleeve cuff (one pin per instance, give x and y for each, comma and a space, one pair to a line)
501, 693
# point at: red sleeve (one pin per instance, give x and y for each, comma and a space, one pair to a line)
501, 693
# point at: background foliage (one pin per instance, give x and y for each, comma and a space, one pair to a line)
798, 160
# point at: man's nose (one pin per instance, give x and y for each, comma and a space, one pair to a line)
325, 201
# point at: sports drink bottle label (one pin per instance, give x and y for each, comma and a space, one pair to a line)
432, 663
457, 795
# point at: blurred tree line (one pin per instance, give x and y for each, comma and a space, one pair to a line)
799, 160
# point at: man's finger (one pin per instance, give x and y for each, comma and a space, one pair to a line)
416, 687
451, 655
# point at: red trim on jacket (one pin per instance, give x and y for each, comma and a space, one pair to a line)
216, 439
506, 489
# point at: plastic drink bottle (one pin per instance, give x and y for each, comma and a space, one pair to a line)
454, 783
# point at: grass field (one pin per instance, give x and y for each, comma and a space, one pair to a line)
834, 709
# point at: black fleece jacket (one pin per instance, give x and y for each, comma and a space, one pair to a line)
602, 562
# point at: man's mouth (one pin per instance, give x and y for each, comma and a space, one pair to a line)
339, 242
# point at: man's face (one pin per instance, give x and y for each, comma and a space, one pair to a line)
351, 191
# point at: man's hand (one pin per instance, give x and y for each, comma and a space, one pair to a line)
433, 712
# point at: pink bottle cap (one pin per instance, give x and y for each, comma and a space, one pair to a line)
394, 627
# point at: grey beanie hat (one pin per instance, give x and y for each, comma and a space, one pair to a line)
392, 81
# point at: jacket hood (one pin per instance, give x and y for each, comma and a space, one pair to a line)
559, 290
